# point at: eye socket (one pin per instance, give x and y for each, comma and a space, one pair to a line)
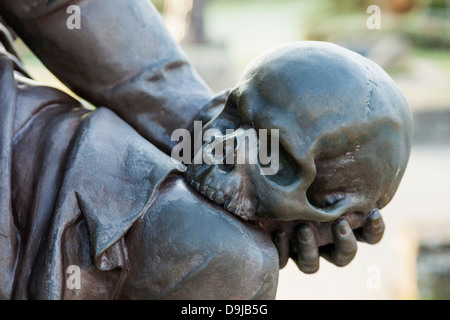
288, 168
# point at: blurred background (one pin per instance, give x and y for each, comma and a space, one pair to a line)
412, 44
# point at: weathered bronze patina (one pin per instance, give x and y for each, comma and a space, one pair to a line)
97, 188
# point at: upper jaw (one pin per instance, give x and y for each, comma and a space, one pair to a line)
231, 192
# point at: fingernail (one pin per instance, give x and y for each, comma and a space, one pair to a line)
343, 228
305, 233
375, 217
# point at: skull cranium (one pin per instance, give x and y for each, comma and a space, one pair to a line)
344, 131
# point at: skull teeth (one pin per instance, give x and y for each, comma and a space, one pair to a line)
211, 192
226, 196
219, 197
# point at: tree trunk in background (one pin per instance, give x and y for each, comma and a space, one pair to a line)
185, 20
196, 31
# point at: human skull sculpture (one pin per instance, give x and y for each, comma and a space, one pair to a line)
344, 136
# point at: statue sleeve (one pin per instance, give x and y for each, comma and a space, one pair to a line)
121, 57
9, 239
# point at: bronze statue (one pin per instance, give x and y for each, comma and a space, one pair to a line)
97, 188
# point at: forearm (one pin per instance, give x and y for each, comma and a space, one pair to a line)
122, 58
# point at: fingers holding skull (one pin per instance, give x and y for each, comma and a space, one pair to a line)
305, 242
306, 255
298, 243
343, 249
373, 229
308, 251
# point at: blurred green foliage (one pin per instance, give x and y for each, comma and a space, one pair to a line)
346, 6
424, 22
429, 26
438, 4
